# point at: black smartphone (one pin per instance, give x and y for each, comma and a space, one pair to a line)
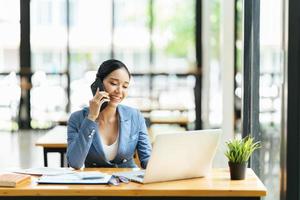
94, 86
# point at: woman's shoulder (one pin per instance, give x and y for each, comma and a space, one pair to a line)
79, 113
128, 110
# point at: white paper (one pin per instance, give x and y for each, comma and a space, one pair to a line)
76, 178
45, 171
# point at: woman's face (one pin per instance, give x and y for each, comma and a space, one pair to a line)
116, 85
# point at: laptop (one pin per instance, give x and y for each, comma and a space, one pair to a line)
183, 155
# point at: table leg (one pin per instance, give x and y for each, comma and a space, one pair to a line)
45, 157
62, 159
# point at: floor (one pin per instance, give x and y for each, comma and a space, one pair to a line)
18, 150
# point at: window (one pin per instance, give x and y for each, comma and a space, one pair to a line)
174, 36
9, 63
9, 35
271, 65
49, 61
131, 37
212, 88
72, 38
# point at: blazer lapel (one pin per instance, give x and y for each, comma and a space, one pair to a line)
98, 145
97, 142
124, 132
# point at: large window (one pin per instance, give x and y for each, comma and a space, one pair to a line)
127, 30
74, 37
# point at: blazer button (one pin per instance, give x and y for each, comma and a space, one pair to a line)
93, 132
124, 161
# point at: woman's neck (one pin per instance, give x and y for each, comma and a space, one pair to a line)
108, 115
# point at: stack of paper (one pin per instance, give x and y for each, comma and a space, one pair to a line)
45, 171
92, 177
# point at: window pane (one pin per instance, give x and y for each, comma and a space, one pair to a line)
49, 55
174, 35
45, 110
212, 88
9, 103
90, 35
9, 35
80, 90
271, 63
238, 66
90, 45
48, 35
131, 34
9, 63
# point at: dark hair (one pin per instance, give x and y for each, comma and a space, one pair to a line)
104, 70
109, 66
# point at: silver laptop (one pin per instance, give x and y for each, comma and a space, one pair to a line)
175, 156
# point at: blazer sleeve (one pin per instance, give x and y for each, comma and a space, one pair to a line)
143, 146
81, 131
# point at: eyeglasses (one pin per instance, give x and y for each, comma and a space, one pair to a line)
116, 180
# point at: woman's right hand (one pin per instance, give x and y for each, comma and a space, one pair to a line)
96, 102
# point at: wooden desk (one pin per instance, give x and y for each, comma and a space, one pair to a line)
217, 186
54, 141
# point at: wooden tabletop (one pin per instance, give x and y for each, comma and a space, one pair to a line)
218, 183
55, 138
180, 120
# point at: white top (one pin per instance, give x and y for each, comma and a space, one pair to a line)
110, 151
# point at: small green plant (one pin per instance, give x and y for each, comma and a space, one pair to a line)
240, 150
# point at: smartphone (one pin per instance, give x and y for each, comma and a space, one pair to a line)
94, 86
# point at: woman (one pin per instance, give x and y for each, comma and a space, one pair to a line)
108, 135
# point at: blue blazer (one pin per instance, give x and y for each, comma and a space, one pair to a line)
84, 141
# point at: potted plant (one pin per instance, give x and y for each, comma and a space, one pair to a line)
238, 153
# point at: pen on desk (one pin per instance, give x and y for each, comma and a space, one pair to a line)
91, 177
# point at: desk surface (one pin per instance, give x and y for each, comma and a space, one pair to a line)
180, 120
218, 183
55, 138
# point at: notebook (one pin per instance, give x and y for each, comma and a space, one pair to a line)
13, 179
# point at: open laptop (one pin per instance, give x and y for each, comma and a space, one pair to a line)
175, 156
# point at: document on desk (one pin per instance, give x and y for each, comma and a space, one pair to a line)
76, 178
45, 171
